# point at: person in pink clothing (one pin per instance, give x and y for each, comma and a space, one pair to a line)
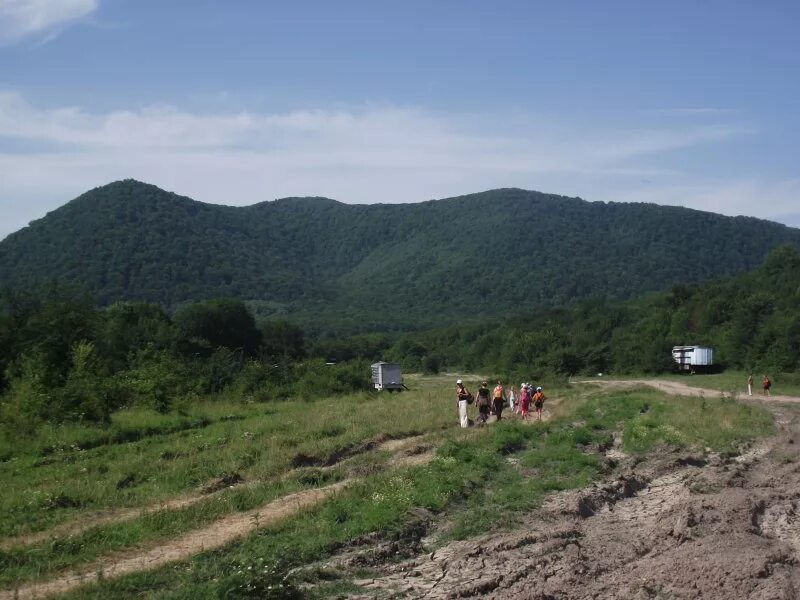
524, 401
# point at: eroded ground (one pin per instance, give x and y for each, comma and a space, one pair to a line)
676, 525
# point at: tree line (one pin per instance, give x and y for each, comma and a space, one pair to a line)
64, 359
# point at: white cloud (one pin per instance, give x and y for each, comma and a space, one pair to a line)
369, 154
770, 199
23, 18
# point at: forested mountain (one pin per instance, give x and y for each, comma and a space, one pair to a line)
752, 321
370, 267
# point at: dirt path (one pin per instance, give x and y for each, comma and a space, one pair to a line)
220, 533
677, 525
678, 388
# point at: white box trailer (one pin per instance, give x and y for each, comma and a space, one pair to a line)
693, 358
387, 376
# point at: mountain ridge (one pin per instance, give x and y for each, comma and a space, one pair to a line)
373, 266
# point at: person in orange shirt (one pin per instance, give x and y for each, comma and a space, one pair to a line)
538, 402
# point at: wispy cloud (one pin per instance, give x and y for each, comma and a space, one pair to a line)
20, 19
692, 111
363, 154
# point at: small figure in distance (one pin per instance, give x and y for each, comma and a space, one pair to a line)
463, 399
767, 384
524, 401
483, 403
538, 402
498, 400
512, 401
750, 385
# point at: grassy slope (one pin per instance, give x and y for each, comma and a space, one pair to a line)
260, 446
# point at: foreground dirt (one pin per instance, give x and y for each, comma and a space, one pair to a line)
675, 526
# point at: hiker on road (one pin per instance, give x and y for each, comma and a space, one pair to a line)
498, 400
463, 396
512, 401
482, 402
750, 385
524, 401
538, 402
766, 383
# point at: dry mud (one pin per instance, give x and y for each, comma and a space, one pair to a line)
672, 526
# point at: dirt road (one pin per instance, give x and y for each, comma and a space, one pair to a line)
679, 388
673, 526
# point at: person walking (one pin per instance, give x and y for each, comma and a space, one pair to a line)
524, 401
483, 403
498, 400
463, 396
750, 385
538, 402
766, 383
512, 401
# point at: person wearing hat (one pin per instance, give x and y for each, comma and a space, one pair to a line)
524, 401
463, 396
538, 402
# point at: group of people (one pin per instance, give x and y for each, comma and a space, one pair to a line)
765, 383
492, 402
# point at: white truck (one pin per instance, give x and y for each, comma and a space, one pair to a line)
387, 376
693, 358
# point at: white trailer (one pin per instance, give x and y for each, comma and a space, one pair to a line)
693, 358
387, 376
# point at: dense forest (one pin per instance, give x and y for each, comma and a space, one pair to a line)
752, 320
340, 268
64, 359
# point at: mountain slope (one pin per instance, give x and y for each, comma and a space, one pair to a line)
378, 266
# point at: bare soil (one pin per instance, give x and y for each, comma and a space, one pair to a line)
676, 525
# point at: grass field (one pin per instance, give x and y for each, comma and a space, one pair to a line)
76, 474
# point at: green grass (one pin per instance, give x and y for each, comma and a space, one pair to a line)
65, 472
480, 480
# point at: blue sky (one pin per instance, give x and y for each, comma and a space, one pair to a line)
686, 103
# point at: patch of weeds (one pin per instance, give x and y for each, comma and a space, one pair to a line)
127, 481
260, 579
313, 477
60, 501
331, 430
703, 486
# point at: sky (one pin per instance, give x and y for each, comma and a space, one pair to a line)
240, 101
